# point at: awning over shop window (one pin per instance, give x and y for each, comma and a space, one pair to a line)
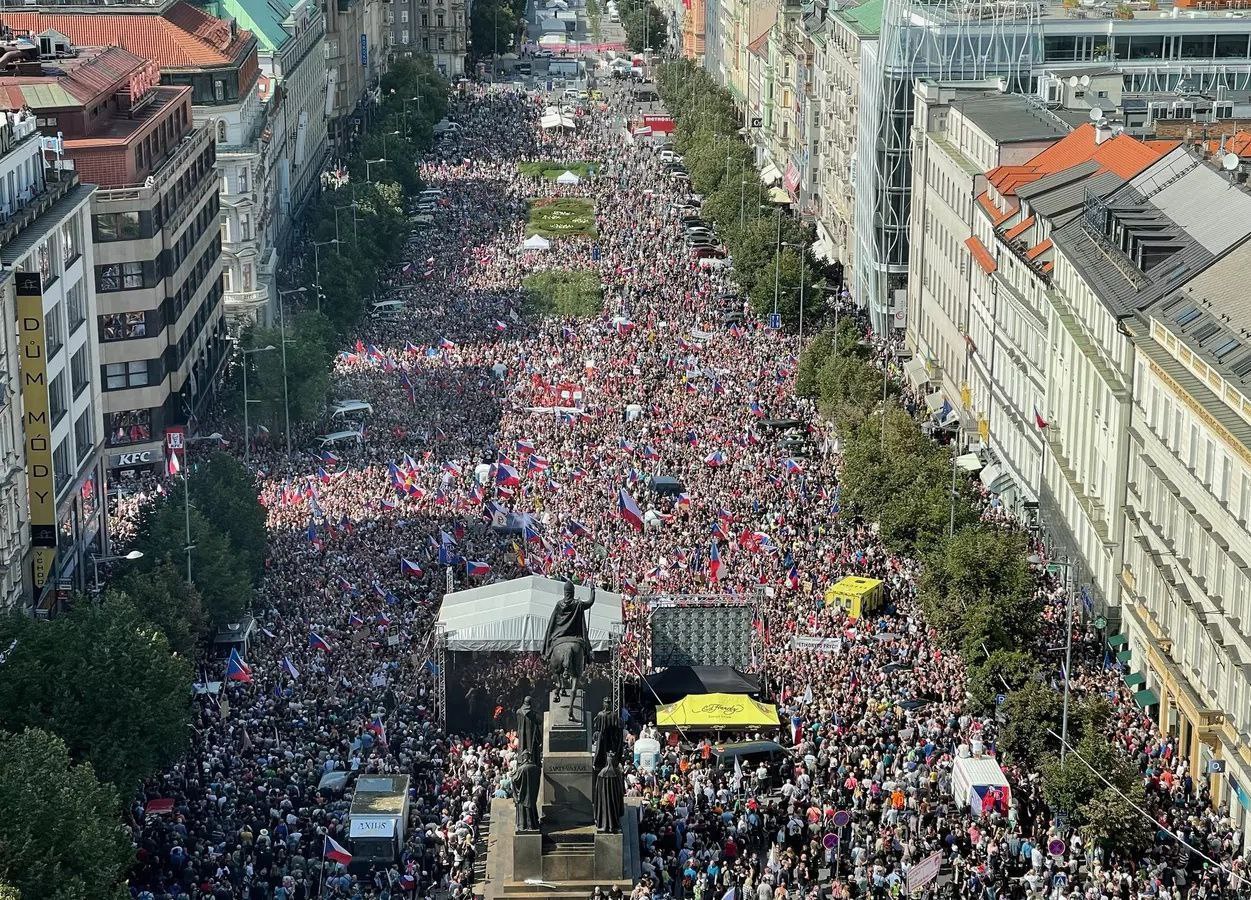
1117, 640
779, 196
969, 462
770, 174
1124, 656
1146, 698
1133, 679
934, 402
916, 372
995, 477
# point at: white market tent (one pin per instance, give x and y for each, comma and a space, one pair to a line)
512, 615
568, 178
536, 242
556, 120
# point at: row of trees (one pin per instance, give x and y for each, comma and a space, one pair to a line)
976, 590
494, 25
769, 247
359, 229
99, 699
646, 26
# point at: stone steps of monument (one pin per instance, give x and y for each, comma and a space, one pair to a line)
480, 858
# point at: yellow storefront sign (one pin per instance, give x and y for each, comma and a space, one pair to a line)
36, 424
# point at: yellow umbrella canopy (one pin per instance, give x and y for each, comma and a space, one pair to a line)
717, 711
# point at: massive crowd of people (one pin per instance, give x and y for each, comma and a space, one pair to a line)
477, 406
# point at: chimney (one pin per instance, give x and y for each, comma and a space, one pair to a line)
1103, 132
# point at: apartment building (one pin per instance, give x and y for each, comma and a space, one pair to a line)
1186, 581
45, 240
961, 40
218, 61
693, 30
437, 27
154, 229
291, 55
15, 545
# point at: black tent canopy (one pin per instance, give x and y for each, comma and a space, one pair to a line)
677, 682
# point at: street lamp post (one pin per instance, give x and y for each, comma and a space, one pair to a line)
802, 261
317, 266
777, 262
286, 395
742, 195
385, 134
380, 159
247, 431
96, 560
356, 236
186, 491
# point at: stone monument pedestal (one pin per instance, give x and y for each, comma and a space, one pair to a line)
565, 800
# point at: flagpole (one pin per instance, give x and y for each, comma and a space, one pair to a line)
321, 878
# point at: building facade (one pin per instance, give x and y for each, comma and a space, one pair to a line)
154, 231
45, 242
437, 27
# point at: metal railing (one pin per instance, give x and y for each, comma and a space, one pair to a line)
187, 148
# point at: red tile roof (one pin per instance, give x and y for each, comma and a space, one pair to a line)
981, 255
182, 37
1239, 143
1123, 155
1018, 229
1035, 252
991, 210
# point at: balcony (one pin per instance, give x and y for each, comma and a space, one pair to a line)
246, 305
189, 147
56, 185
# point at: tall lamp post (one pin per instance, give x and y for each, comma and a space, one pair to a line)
380, 159
802, 261
96, 560
286, 394
317, 265
247, 431
385, 135
777, 262
186, 491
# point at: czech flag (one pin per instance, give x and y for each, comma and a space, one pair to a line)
237, 669
288, 668
792, 578
629, 509
410, 568
345, 585
445, 344
477, 569
574, 527
501, 326
1039, 421
506, 475
524, 447
715, 459
453, 469
317, 642
384, 620
792, 467
537, 463
355, 621
714, 562
334, 852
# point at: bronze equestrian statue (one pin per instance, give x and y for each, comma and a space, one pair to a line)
567, 644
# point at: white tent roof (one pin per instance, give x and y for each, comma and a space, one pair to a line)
536, 242
568, 178
556, 120
512, 615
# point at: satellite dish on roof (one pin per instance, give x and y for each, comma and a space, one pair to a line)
1072, 81
1085, 79
1229, 162
1096, 113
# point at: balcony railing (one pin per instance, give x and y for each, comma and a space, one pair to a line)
56, 185
190, 146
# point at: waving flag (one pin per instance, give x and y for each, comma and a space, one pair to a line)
578, 473
384, 620
476, 568
175, 464
524, 447
410, 568
501, 327
345, 585
506, 475
237, 669
530, 534
445, 344
537, 463
355, 621
651, 453
792, 578
629, 509
1039, 421
334, 852
684, 501
317, 642
756, 409
714, 562
715, 459
574, 527
718, 533
288, 668
453, 469
407, 384
792, 466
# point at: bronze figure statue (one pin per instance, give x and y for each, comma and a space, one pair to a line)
608, 735
526, 781
530, 730
609, 797
567, 644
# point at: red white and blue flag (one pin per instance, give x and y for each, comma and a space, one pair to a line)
317, 642
629, 509
506, 475
409, 568
334, 852
714, 562
237, 669
715, 459
288, 668
476, 568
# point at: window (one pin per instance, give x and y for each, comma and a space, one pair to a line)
79, 367
76, 306
404, 36
442, 42
247, 276
62, 470
244, 178
71, 240
130, 427
404, 15
49, 264
219, 90
119, 376
56, 399
84, 434
245, 227
123, 326
123, 226
425, 20
55, 331
120, 277
439, 19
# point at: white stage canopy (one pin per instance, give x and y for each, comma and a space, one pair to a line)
512, 615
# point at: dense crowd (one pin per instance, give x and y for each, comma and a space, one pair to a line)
467, 392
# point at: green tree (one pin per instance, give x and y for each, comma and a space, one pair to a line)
1003, 671
1100, 811
119, 699
224, 586
645, 27
60, 838
302, 392
164, 598
1032, 712
492, 26
225, 491
787, 274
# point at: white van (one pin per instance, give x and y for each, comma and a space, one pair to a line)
350, 407
336, 438
383, 306
431, 194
